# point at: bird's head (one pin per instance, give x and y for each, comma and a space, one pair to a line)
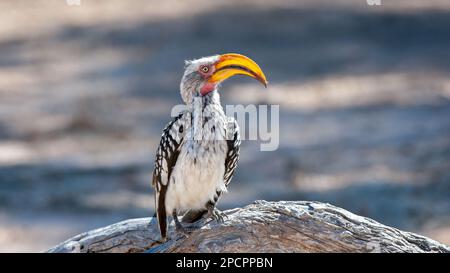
202, 76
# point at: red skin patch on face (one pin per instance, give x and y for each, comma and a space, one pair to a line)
207, 87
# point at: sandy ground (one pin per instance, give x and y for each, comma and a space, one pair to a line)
364, 95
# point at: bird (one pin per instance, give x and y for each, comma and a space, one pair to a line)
199, 148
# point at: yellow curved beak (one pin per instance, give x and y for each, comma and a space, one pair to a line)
236, 64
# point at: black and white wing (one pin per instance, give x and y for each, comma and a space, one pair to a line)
233, 144
165, 160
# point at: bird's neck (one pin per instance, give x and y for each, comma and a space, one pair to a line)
208, 102
206, 112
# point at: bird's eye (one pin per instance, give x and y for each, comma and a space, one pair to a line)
204, 69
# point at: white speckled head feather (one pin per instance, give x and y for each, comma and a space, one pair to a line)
192, 81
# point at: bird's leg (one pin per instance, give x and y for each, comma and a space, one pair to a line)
215, 213
153, 220
180, 228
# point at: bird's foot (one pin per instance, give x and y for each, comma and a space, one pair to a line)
161, 241
181, 230
185, 230
194, 226
217, 215
153, 220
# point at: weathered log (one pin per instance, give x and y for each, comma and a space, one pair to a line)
260, 227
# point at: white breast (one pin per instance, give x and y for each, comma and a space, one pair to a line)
199, 170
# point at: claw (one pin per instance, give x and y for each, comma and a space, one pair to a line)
186, 230
179, 228
217, 215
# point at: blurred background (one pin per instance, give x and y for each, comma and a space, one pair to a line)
364, 95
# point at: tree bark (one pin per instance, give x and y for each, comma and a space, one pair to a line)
260, 227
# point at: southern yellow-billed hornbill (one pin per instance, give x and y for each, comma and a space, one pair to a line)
199, 148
